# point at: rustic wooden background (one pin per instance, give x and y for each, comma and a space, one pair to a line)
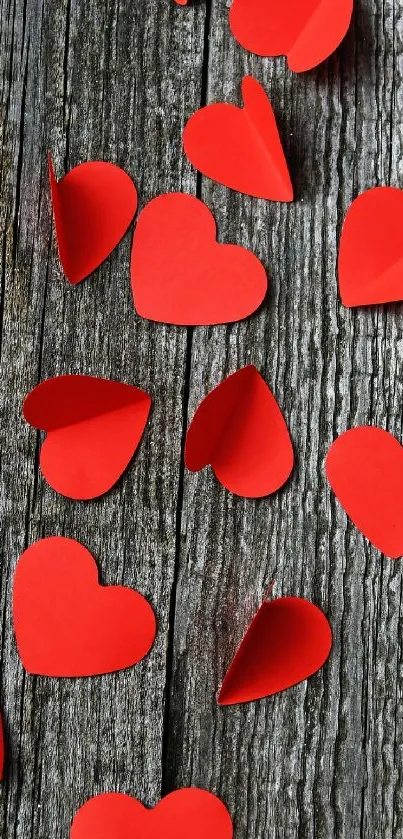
116, 79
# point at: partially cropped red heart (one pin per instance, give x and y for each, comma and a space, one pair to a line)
66, 624
240, 431
181, 275
185, 813
240, 147
364, 467
371, 249
288, 640
93, 206
306, 32
93, 429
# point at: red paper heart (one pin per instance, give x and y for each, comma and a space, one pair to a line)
371, 249
288, 640
93, 429
240, 431
306, 32
1, 749
240, 147
93, 206
182, 814
181, 275
364, 467
66, 624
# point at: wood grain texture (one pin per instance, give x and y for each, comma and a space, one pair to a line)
117, 80
324, 759
88, 80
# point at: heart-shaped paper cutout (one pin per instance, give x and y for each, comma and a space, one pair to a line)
240, 431
93, 206
288, 640
240, 147
1, 749
371, 249
185, 813
364, 467
66, 624
306, 32
181, 275
93, 429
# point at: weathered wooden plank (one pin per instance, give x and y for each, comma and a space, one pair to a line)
109, 79
323, 759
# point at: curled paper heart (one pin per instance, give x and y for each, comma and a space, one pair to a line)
93, 206
240, 147
288, 640
241, 433
306, 32
364, 467
181, 275
371, 249
93, 429
66, 624
182, 814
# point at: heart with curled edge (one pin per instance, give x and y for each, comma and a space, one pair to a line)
371, 249
181, 275
240, 147
93, 206
181, 814
307, 33
93, 426
288, 640
239, 430
66, 624
364, 467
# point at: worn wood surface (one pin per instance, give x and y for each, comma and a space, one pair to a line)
117, 79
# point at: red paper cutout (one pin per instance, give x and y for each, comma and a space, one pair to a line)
306, 32
185, 813
93, 206
181, 275
1, 749
288, 640
364, 467
240, 431
371, 249
66, 623
181, 2
93, 429
240, 147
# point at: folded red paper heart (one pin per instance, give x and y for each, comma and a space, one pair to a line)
240, 147
93, 429
371, 249
66, 624
241, 433
93, 206
364, 467
185, 813
288, 640
306, 32
181, 275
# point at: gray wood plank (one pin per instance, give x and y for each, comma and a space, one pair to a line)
323, 759
110, 79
